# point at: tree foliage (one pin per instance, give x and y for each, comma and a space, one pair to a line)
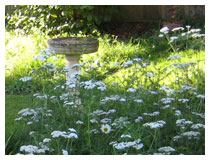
59, 19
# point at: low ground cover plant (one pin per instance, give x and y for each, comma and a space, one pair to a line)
132, 103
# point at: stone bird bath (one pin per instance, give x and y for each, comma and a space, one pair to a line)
73, 48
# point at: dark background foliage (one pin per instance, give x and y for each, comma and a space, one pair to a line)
59, 19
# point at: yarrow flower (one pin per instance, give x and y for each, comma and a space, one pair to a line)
174, 57
166, 150
152, 114
25, 79
131, 90
164, 30
128, 63
105, 128
153, 125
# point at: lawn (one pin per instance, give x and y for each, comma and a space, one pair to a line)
145, 95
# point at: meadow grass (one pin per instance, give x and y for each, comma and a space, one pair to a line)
138, 97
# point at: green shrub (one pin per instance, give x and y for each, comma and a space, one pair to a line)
59, 19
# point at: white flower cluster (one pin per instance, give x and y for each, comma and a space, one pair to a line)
112, 98
138, 100
121, 122
136, 144
182, 123
25, 79
132, 90
33, 114
177, 113
154, 125
174, 57
190, 135
99, 112
183, 100
182, 65
69, 134
126, 136
166, 150
30, 149
198, 126
139, 119
202, 115
91, 84
131, 62
152, 114
47, 53
49, 66
167, 100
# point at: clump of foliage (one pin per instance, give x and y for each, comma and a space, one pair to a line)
59, 19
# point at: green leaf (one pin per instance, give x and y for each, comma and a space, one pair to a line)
89, 17
54, 15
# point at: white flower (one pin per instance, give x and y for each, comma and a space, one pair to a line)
152, 114
161, 35
178, 113
41, 57
138, 146
131, 90
138, 100
65, 152
182, 123
137, 59
56, 134
29, 123
197, 126
164, 30
166, 106
138, 119
153, 125
188, 27
126, 136
93, 121
176, 138
25, 79
105, 128
202, 115
27, 112
173, 38
71, 135
117, 64
167, 100
72, 130
128, 63
29, 149
166, 149
183, 100
177, 29
46, 140
191, 134
31, 133
174, 57
106, 120
94, 131
122, 100
200, 96
79, 122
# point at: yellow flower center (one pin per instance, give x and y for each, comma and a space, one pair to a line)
106, 129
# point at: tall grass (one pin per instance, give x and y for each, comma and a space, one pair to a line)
132, 103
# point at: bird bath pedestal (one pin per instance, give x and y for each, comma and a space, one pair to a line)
73, 47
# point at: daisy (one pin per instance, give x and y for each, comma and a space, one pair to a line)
105, 128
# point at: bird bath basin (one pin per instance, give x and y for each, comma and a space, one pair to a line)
73, 48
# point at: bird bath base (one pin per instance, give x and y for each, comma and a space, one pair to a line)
73, 48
